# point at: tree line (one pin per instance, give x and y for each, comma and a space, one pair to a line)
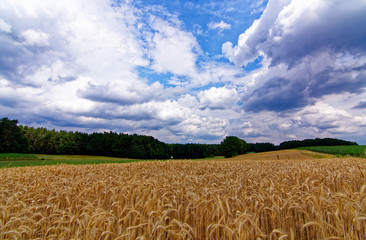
24, 139
314, 142
265, 147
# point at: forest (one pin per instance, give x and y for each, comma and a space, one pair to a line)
24, 139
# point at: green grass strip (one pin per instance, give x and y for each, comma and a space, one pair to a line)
353, 150
13, 160
27, 163
6, 156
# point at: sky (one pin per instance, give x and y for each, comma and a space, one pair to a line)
187, 71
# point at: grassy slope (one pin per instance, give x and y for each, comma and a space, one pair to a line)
24, 160
354, 151
42, 160
14, 156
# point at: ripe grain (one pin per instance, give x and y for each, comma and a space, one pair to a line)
282, 195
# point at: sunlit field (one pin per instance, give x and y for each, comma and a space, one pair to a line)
276, 195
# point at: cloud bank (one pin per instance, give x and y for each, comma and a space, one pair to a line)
312, 51
297, 71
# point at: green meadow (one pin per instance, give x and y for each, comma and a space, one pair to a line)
340, 151
22, 160
25, 160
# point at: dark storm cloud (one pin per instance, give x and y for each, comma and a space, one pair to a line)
300, 90
312, 50
288, 31
11, 56
277, 94
335, 81
338, 28
7, 102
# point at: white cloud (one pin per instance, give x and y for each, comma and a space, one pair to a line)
247, 50
325, 118
158, 112
328, 117
310, 49
88, 43
219, 25
289, 30
76, 64
5, 27
218, 98
35, 38
172, 50
215, 72
202, 126
295, 12
87, 76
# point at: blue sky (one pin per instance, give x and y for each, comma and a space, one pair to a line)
187, 71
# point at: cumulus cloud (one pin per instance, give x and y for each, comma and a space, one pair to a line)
86, 36
172, 49
292, 29
325, 118
313, 56
77, 65
68, 58
310, 48
320, 119
206, 127
279, 88
218, 98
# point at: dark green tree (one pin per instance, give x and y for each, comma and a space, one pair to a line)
42, 140
315, 142
261, 147
232, 146
12, 139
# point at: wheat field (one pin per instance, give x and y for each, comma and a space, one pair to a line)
278, 195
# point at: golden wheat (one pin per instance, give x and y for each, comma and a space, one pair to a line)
281, 195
